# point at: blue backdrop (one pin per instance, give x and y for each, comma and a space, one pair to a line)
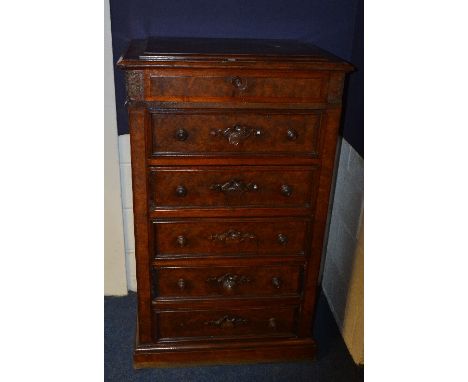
335, 25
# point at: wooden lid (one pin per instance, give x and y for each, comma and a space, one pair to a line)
154, 50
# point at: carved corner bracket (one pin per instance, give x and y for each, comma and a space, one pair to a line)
134, 85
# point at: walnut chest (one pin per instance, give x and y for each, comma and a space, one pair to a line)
233, 143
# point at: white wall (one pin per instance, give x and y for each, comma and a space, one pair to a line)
127, 205
115, 282
343, 274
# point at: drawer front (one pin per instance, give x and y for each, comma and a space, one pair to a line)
239, 86
227, 281
254, 186
229, 236
229, 323
228, 132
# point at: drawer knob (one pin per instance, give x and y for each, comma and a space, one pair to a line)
236, 133
234, 185
227, 322
286, 190
182, 241
181, 135
282, 239
276, 281
239, 83
272, 323
181, 284
292, 134
181, 191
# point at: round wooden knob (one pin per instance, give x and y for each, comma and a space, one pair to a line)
182, 241
291, 134
181, 283
239, 83
282, 239
272, 323
181, 191
276, 281
181, 135
286, 190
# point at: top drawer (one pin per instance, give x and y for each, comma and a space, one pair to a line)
175, 85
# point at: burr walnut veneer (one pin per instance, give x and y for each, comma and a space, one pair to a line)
233, 143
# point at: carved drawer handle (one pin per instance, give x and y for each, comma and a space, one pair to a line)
182, 241
286, 190
236, 133
239, 83
276, 281
229, 281
234, 185
232, 236
181, 135
181, 284
181, 191
227, 322
292, 134
282, 239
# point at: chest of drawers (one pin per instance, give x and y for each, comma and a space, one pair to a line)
233, 144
